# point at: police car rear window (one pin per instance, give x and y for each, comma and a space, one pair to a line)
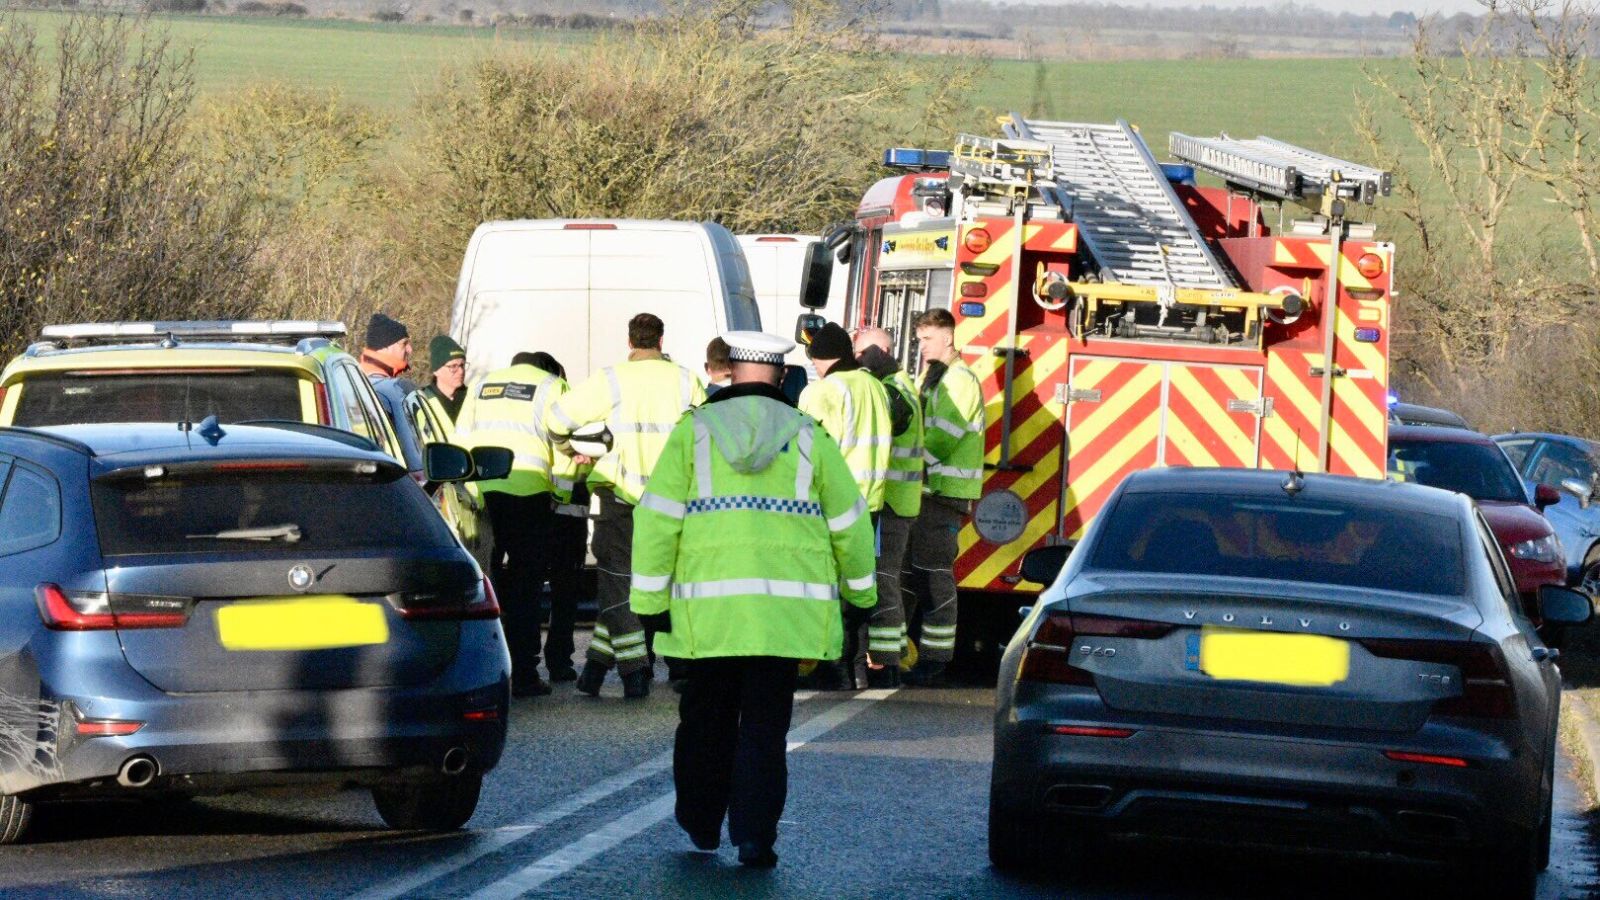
86, 398
256, 513
1283, 540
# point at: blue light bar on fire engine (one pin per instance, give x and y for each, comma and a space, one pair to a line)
907, 158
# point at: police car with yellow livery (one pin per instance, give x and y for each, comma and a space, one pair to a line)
237, 371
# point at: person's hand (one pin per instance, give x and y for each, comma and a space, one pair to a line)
582, 460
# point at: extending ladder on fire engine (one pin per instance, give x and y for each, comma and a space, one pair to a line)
1127, 214
1275, 169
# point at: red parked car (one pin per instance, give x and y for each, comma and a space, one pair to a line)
1468, 462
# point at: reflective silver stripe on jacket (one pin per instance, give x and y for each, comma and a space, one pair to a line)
616, 387
953, 472
862, 583
848, 517
802, 472
651, 582
901, 475
954, 429
662, 505
685, 389
735, 587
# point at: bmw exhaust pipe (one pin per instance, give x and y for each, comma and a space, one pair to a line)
454, 762
138, 772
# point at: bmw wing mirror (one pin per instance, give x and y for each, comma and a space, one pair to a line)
446, 462
491, 463
816, 276
1564, 605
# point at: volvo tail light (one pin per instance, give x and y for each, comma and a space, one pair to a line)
1486, 690
1049, 654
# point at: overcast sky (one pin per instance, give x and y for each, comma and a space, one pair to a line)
1357, 6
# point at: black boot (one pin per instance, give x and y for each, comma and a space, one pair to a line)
636, 684
927, 674
593, 676
884, 678
530, 685
757, 856
829, 676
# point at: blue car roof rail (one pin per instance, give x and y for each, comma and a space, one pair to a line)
57, 439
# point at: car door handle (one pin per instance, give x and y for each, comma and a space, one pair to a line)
1545, 654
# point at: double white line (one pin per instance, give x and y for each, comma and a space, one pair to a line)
564, 860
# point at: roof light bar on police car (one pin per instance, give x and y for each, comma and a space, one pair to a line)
217, 330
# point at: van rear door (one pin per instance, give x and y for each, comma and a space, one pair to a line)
527, 290
666, 272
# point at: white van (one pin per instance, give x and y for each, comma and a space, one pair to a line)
569, 286
777, 266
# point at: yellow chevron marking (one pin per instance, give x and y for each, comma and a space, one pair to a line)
1279, 432
1282, 255
1350, 454
1110, 410
1359, 407
1349, 275
1068, 242
1291, 388
1043, 477
1137, 441
1214, 414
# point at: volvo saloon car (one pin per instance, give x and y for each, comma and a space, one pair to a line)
197, 609
1325, 661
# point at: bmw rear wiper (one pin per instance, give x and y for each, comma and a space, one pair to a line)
287, 533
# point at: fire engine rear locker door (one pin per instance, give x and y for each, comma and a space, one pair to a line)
1113, 427
1212, 416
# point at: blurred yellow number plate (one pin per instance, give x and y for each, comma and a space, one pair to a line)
301, 623
1298, 659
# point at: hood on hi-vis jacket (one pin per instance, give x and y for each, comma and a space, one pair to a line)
747, 434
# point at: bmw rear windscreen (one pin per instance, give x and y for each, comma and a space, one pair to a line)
87, 398
266, 513
1284, 539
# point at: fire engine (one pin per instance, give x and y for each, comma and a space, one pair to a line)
1122, 316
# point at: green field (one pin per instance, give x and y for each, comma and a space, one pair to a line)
1304, 100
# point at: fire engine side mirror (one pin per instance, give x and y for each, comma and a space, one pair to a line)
816, 276
806, 328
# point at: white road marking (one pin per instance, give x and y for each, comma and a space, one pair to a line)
497, 839
561, 862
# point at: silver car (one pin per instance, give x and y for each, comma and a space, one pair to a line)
1319, 660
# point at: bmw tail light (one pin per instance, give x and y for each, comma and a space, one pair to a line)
1049, 654
93, 611
421, 606
1486, 691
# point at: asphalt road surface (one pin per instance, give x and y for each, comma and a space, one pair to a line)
887, 798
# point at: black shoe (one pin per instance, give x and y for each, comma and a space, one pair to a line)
706, 842
593, 676
562, 675
757, 856
927, 674
884, 678
829, 676
529, 686
679, 685
636, 684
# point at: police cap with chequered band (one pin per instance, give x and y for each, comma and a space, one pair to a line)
757, 347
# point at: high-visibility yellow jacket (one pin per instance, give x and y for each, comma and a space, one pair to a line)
506, 409
853, 408
953, 426
446, 423
902, 493
751, 531
640, 401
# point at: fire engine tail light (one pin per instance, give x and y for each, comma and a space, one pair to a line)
977, 240
974, 289
1370, 265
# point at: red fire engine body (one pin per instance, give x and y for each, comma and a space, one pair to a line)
1121, 317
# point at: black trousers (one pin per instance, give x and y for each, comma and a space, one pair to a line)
569, 541
731, 758
521, 534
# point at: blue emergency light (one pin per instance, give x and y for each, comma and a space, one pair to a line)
907, 158
1393, 399
1177, 173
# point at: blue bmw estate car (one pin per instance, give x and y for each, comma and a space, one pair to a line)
193, 610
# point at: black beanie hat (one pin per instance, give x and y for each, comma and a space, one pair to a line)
383, 331
441, 350
830, 342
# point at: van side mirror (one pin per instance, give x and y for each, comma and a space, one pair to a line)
1577, 487
1564, 605
1545, 495
816, 276
446, 462
1042, 565
491, 463
806, 328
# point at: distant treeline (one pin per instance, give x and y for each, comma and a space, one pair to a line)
1287, 18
